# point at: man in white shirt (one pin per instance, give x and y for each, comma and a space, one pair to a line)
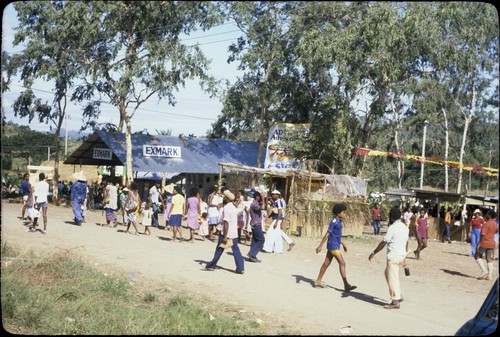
396, 240
228, 237
41, 192
154, 199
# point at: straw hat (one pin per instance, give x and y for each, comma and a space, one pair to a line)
169, 188
125, 189
229, 195
477, 210
79, 176
276, 192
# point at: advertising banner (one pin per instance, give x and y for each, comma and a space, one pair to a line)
278, 156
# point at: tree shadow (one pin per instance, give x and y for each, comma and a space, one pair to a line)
300, 278
456, 273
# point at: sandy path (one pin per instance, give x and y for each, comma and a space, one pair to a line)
440, 295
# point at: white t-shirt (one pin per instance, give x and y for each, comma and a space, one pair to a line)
41, 191
213, 211
231, 216
154, 194
396, 238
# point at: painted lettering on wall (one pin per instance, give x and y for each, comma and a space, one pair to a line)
161, 151
105, 154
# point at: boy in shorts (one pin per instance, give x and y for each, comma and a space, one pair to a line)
334, 236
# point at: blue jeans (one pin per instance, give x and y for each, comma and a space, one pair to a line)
446, 232
474, 239
77, 210
257, 241
238, 258
155, 222
376, 227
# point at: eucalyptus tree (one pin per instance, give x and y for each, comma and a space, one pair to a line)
49, 44
133, 51
264, 94
468, 57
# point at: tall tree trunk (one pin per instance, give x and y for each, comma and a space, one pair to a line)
446, 149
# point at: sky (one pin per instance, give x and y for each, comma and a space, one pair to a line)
193, 113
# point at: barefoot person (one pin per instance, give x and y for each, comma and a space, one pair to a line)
334, 237
396, 240
132, 203
487, 245
421, 233
25, 190
176, 213
41, 193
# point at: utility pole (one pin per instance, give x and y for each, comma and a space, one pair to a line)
426, 122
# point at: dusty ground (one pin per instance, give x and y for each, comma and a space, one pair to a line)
441, 293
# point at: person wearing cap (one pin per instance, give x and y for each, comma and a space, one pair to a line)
476, 223
486, 245
396, 240
273, 243
228, 237
333, 237
78, 196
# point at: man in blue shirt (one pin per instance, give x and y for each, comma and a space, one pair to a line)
78, 195
25, 192
334, 237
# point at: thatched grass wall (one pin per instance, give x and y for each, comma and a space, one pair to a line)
310, 218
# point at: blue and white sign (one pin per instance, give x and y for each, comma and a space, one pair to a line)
105, 154
161, 151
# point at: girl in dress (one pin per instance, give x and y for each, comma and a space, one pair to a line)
203, 230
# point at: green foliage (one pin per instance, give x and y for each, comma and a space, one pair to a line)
69, 297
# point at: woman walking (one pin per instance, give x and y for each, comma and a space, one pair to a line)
192, 212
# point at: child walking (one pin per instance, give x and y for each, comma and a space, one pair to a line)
203, 229
147, 216
334, 236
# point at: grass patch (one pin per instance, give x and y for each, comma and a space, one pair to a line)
60, 294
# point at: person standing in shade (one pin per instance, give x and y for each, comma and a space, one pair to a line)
333, 237
487, 245
396, 240
376, 219
41, 194
228, 237
476, 223
78, 196
447, 225
176, 213
192, 212
154, 201
258, 205
25, 192
168, 192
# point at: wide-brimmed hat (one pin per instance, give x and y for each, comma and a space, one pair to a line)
229, 195
169, 188
276, 192
477, 210
79, 176
125, 189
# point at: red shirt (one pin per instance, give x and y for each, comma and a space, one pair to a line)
477, 222
376, 213
487, 234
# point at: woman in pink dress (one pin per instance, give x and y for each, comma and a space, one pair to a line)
192, 212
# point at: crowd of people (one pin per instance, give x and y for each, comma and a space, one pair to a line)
231, 220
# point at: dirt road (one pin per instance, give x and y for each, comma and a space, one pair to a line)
441, 293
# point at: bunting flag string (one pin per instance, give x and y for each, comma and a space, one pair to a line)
489, 171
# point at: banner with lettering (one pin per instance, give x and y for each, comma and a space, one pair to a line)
278, 156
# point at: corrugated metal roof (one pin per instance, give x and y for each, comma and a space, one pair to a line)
198, 155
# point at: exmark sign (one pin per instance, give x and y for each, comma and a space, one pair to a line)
161, 151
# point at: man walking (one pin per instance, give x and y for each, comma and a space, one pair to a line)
155, 199
376, 219
41, 193
25, 190
396, 240
229, 235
